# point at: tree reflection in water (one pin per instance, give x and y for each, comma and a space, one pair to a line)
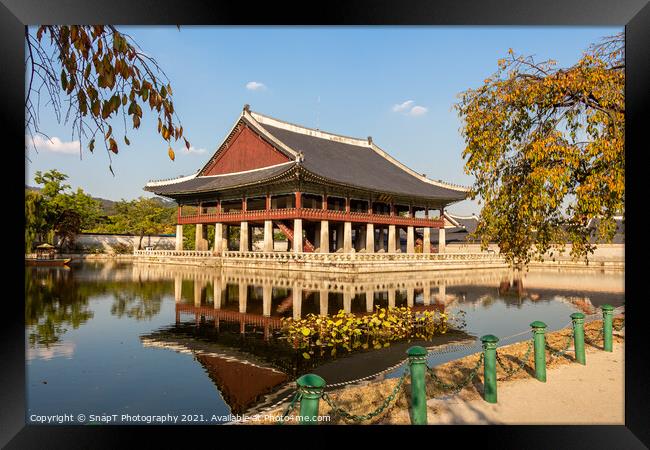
53, 304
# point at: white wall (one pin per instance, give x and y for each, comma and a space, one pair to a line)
89, 241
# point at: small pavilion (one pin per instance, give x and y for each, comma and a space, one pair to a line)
325, 192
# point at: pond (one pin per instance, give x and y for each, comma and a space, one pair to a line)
106, 339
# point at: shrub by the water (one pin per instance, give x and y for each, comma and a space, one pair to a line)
315, 333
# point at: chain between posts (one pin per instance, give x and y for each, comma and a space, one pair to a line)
511, 372
291, 406
557, 353
619, 328
360, 418
457, 387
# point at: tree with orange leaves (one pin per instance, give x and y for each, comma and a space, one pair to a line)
546, 148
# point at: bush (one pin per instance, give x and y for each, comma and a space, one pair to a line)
122, 249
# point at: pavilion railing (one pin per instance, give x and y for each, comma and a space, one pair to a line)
326, 257
309, 214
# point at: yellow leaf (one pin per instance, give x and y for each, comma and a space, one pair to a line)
171, 154
306, 355
305, 331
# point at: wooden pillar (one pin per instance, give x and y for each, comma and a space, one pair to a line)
324, 236
267, 298
410, 240
268, 202
426, 240
298, 200
325, 202
370, 238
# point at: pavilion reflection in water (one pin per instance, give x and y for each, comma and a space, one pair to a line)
229, 320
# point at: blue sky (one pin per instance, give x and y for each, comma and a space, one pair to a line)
396, 84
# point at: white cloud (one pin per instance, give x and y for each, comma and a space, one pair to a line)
54, 145
193, 150
403, 106
409, 107
418, 111
255, 86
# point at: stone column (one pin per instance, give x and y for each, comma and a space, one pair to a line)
370, 301
178, 288
297, 235
218, 238
198, 288
179, 237
426, 240
243, 237
323, 297
410, 240
268, 236
391, 239
391, 298
217, 287
297, 302
347, 301
347, 237
442, 294
410, 297
243, 297
441, 240
324, 236
370, 238
426, 294
267, 297
200, 242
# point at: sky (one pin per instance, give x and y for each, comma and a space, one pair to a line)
396, 84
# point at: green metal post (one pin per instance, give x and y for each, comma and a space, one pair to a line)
608, 315
490, 367
417, 364
539, 328
311, 387
579, 336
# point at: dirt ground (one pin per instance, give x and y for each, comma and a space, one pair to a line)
572, 394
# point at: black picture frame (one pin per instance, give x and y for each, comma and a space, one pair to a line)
633, 14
